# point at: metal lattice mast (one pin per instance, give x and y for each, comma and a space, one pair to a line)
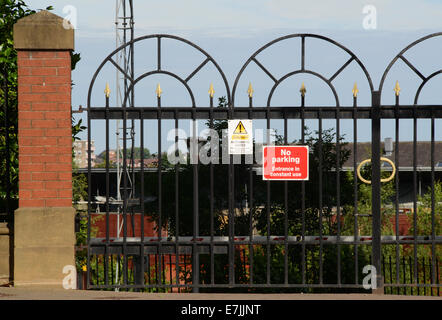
124, 32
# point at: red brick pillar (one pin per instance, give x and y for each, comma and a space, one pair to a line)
44, 236
45, 130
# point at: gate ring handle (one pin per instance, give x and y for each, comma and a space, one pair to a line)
382, 180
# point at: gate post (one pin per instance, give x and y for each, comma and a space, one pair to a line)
44, 222
376, 189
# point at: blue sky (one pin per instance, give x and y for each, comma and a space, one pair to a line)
232, 30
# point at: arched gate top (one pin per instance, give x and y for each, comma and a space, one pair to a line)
303, 36
400, 55
159, 69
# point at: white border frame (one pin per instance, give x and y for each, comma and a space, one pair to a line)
297, 146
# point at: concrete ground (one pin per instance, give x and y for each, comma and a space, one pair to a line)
35, 293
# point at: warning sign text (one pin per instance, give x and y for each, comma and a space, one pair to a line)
285, 163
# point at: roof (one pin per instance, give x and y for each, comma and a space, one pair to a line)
405, 159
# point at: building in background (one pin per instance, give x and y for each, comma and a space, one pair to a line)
80, 153
404, 165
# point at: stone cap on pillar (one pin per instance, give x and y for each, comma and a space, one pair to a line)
43, 31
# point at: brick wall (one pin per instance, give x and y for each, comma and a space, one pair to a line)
99, 225
45, 133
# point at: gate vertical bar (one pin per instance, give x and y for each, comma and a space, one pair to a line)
415, 275
303, 262
195, 253
160, 186
231, 222
158, 91
376, 187
106, 252
286, 212
338, 193
141, 272
89, 197
251, 250
433, 202
177, 222
268, 203
212, 256
355, 189
124, 195
396, 158
320, 198
303, 253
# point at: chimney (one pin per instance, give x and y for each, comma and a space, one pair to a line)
388, 146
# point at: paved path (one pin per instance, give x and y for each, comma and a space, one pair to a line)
61, 294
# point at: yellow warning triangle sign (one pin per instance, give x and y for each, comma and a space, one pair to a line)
240, 129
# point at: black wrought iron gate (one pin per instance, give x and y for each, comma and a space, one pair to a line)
219, 226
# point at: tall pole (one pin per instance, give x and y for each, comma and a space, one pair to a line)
124, 32
376, 189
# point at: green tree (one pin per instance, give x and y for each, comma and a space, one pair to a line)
425, 218
137, 153
102, 164
10, 12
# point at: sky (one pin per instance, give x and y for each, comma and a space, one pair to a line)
232, 30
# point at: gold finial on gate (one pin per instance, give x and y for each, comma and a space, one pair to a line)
303, 90
397, 88
107, 90
158, 91
355, 90
250, 90
211, 90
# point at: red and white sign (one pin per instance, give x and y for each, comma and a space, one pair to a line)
285, 163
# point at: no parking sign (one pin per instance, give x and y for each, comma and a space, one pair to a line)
285, 163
